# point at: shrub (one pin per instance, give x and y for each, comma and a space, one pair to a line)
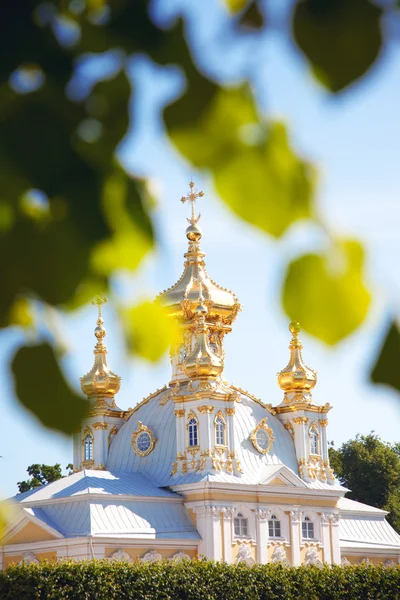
195, 580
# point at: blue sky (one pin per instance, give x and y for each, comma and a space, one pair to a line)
354, 140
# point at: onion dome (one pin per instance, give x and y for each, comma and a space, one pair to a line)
100, 381
202, 362
296, 377
181, 300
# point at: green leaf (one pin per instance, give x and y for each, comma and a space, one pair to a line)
386, 368
41, 388
123, 203
341, 38
149, 341
256, 172
326, 293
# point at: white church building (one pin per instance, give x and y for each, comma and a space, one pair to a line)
200, 467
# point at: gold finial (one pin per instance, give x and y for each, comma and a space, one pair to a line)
100, 381
296, 377
191, 197
294, 329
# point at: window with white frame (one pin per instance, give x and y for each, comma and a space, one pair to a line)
241, 525
219, 431
314, 441
193, 432
88, 447
307, 528
274, 527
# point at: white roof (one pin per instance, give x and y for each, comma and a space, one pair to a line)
367, 531
348, 505
160, 418
95, 482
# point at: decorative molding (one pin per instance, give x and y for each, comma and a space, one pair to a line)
244, 555
279, 556
311, 557
262, 514
29, 558
180, 557
262, 426
290, 429
180, 412
100, 425
230, 412
142, 429
120, 555
295, 516
227, 512
323, 422
299, 420
207, 408
151, 556
87, 431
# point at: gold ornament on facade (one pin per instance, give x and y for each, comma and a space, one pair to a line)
262, 437
180, 412
100, 425
100, 381
300, 420
290, 429
143, 440
230, 412
205, 409
323, 422
296, 376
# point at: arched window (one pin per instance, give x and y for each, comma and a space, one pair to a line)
219, 432
307, 528
314, 441
241, 525
193, 432
88, 447
274, 527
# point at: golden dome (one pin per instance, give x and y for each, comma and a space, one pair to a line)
296, 377
100, 381
182, 298
202, 362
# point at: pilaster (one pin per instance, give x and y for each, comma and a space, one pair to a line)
336, 558
295, 517
326, 537
227, 514
262, 534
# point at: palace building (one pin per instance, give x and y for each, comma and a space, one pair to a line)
200, 467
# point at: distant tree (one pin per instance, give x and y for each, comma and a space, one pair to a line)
41, 475
370, 468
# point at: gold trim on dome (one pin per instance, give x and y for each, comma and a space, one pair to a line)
311, 408
143, 402
262, 425
267, 407
112, 434
142, 429
290, 429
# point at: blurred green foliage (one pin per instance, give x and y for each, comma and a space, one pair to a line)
70, 214
370, 468
42, 475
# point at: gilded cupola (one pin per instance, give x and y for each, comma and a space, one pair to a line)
181, 300
202, 361
100, 382
296, 376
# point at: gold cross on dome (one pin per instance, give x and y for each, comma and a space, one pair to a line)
98, 301
192, 197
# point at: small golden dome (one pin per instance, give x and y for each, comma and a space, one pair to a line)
296, 377
202, 362
100, 381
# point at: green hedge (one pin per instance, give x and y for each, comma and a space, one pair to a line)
196, 580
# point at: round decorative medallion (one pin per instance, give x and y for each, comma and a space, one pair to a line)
262, 437
143, 440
